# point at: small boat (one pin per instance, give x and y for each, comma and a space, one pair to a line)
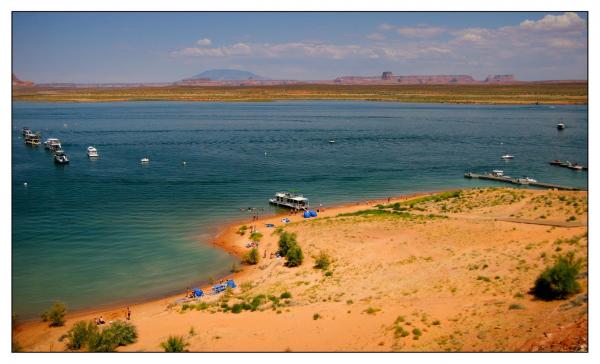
555, 162
497, 173
60, 157
576, 166
145, 160
560, 126
26, 131
507, 156
331, 141
92, 152
52, 144
526, 180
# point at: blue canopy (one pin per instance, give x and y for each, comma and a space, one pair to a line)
231, 283
306, 214
198, 292
313, 213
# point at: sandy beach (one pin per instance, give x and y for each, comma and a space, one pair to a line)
453, 273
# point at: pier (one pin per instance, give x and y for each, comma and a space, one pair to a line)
516, 181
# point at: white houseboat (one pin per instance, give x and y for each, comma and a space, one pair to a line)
92, 152
52, 144
289, 200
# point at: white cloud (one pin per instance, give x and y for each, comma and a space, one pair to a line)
386, 26
203, 42
420, 32
238, 49
376, 36
567, 22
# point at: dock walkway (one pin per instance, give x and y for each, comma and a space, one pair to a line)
517, 182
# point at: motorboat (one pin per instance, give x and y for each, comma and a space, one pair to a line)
26, 131
52, 144
92, 152
497, 173
507, 156
145, 160
560, 126
60, 157
526, 180
331, 141
556, 162
576, 166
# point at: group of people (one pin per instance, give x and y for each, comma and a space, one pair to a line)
100, 320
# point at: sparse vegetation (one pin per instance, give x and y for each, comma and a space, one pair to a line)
174, 344
87, 335
55, 315
256, 236
322, 261
316, 316
242, 230
251, 257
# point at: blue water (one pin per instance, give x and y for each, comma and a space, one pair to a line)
113, 230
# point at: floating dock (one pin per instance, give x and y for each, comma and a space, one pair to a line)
517, 182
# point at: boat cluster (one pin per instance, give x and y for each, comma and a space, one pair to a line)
575, 166
53, 145
500, 174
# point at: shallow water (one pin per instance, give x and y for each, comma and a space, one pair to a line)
113, 230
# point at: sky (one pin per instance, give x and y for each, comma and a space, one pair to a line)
163, 47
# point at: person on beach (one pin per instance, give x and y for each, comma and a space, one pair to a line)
101, 320
188, 292
128, 314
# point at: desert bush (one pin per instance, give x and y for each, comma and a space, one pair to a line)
316, 316
560, 280
285, 295
79, 335
286, 241
119, 333
294, 256
322, 261
174, 344
242, 230
252, 257
256, 236
55, 315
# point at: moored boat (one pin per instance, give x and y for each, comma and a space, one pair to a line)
290, 200
145, 160
52, 144
32, 138
60, 157
507, 156
92, 152
560, 126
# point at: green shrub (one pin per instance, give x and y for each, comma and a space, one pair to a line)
237, 308
436, 322
515, 306
79, 335
294, 256
174, 344
560, 280
316, 316
285, 295
256, 236
328, 273
322, 261
257, 301
119, 333
286, 241
252, 257
55, 315
242, 230
416, 332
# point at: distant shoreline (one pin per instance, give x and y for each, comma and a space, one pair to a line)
575, 93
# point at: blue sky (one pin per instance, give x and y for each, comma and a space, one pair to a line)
162, 47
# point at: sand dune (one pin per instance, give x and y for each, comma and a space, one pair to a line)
449, 273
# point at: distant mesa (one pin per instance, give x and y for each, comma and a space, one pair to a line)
388, 77
16, 82
226, 75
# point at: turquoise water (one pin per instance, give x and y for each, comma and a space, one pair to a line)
113, 230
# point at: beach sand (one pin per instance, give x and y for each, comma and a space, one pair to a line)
447, 275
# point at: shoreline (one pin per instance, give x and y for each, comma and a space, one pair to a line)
225, 232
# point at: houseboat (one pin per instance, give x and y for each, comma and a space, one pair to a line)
290, 201
52, 144
32, 138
